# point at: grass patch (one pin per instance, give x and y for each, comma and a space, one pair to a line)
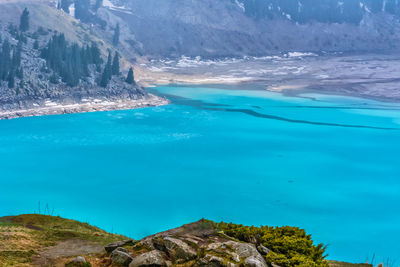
21, 236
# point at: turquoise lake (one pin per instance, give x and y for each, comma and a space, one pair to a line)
328, 164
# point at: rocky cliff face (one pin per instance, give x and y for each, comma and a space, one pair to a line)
212, 28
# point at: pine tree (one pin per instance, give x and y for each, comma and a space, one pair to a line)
130, 79
107, 72
36, 44
70, 62
5, 60
108, 66
11, 79
104, 78
24, 21
116, 35
115, 65
16, 59
95, 55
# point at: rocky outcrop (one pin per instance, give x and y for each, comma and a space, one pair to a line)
111, 247
120, 256
153, 258
195, 244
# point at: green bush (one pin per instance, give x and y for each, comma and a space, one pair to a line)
290, 246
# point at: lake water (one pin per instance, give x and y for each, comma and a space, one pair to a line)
328, 164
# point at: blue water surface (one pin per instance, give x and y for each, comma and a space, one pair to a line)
329, 164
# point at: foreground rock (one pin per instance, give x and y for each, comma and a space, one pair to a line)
195, 244
121, 257
153, 258
111, 247
78, 262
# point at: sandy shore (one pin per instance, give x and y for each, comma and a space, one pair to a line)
87, 105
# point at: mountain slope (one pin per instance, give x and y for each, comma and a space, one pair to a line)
35, 86
221, 28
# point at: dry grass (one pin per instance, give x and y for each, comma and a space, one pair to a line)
36, 237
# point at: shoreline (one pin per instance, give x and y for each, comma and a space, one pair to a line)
256, 85
260, 85
87, 105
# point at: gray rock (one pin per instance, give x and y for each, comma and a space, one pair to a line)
214, 261
121, 257
122, 249
79, 259
263, 250
78, 262
153, 258
111, 247
178, 250
255, 261
238, 251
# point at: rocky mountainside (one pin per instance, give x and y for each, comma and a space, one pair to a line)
40, 240
219, 28
59, 83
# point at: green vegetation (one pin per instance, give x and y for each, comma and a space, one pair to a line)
290, 246
115, 65
24, 21
10, 62
70, 62
116, 35
130, 79
107, 72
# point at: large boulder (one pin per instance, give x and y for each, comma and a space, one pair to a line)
111, 247
179, 250
149, 259
121, 257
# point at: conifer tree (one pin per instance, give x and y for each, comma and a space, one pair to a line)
24, 21
107, 72
116, 35
108, 66
115, 65
5, 60
104, 78
70, 62
11, 79
95, 55
130, 79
